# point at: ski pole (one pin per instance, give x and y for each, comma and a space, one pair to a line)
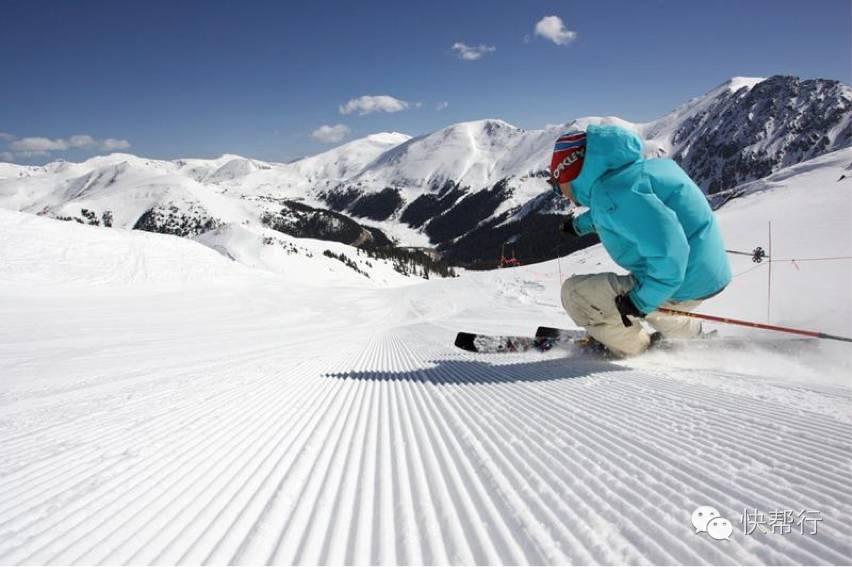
815, 334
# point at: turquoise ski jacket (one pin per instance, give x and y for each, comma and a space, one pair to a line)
652, 219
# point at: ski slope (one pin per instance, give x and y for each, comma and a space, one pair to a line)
161, 403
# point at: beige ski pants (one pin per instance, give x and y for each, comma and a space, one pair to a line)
590, 301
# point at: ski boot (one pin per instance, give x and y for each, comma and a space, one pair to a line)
590, 345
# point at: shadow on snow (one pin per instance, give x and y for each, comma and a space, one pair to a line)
477, 372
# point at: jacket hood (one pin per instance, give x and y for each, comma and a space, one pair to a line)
607, 148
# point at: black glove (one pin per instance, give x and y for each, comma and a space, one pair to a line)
567, 226
626, 307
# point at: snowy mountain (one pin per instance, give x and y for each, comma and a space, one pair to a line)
475, 186
469, 190
751, 130
162, 404
349, 159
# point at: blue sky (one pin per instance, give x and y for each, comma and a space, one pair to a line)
169, 79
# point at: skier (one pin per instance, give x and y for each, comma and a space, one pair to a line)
654, 221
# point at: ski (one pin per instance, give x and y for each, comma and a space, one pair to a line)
546, 338
542, 342
710, 341
474, 342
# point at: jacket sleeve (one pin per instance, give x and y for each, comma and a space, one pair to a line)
583, 224
660, 242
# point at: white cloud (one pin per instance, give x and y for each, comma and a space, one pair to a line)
6, 137
330, 134
111, 144
472, 53
442, 105
367, 104
7, 156
552, 28
81, 141
38, 146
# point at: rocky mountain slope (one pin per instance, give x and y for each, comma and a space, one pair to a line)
751, 132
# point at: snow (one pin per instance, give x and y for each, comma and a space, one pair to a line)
232, 188
162, 403
349, 159
43, 255
736, 83
260, 247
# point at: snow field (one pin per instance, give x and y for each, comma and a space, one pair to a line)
388, 447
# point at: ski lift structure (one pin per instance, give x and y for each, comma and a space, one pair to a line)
506, 262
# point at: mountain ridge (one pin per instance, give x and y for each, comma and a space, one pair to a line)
466, 189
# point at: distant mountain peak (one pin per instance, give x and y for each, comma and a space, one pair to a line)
388, 137
736, 83
224, 158
487, 125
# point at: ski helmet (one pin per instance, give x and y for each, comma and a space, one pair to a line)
568, 154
